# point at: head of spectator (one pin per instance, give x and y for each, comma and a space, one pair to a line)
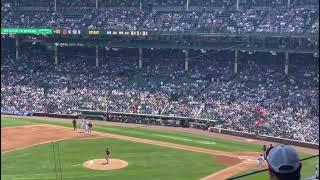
284, 163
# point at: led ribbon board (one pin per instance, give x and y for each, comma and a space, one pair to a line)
40, 31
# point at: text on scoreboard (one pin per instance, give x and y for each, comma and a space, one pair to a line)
40, 31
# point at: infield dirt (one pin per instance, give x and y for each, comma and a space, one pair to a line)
13, 138
179, 129
100, 164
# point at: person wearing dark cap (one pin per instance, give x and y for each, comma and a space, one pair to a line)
284, 163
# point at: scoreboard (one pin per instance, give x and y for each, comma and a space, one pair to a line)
70, 31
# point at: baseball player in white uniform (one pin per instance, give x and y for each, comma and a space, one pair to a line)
260, 161
82, 126
87, 127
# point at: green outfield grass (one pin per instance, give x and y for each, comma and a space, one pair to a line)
10, 122
162, 135
145, 161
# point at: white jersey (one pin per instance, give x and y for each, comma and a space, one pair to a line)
260, 159
82, 125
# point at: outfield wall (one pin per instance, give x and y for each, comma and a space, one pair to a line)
216, 130
266, 138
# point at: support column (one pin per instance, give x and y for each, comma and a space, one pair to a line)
187, 8
17, 48
56, 55
286, 66
97, 5
288, 4
55, 5
236, 61
140, 58
186, 62
97, 56
237, 5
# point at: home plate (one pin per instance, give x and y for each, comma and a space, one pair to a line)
250, 140
247, 158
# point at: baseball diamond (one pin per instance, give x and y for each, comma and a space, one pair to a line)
30, 137
159, 89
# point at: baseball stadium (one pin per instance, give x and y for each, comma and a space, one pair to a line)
159, 89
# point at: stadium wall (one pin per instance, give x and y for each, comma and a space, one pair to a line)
266, 138
217, 130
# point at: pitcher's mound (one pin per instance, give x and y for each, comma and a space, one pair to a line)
101, 164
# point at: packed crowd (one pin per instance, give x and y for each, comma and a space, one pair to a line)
160, 3
297, 19
28, 3
119, 18
231, 21
172, 21
213, 3
263, 3
260, 99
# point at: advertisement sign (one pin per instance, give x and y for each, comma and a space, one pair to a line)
94, 32
40, 31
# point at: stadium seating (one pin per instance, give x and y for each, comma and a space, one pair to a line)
253, 16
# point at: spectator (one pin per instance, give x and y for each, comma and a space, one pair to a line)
284, 163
